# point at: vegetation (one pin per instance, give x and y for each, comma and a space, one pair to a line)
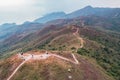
105, 50
52, 68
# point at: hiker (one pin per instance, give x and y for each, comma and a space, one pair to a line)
69, 70
21, 53
32, 55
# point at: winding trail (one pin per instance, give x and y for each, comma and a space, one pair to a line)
66, 59
77, 62
76, 34
44, 56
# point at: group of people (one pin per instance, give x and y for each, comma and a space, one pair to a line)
21, 54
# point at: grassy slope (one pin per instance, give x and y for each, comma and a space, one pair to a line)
104, 48
56, 69
64, 42
99, 45
7, 66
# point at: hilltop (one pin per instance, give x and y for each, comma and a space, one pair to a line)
52, 68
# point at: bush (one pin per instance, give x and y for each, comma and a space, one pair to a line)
73, 48
82, 51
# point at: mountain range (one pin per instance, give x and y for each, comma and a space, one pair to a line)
102, 12
62, 34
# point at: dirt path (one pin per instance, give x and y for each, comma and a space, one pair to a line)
28, 57
25, 60
85, 65
16, 70
77, 62
66, 59
76, 34
45, 56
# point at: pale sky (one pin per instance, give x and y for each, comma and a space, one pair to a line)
19, 11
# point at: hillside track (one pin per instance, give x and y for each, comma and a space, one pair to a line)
76, 34
43, 56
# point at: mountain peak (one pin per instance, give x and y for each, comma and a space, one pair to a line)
50, 16
88, 7
57, 13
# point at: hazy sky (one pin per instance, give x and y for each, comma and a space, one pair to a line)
19, 11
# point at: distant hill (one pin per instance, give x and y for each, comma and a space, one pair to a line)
7, 30
108, 15
86, 11
51, 16
103, 12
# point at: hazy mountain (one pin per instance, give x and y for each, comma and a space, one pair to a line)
51, 16
6, 30
103, 12
87, 11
